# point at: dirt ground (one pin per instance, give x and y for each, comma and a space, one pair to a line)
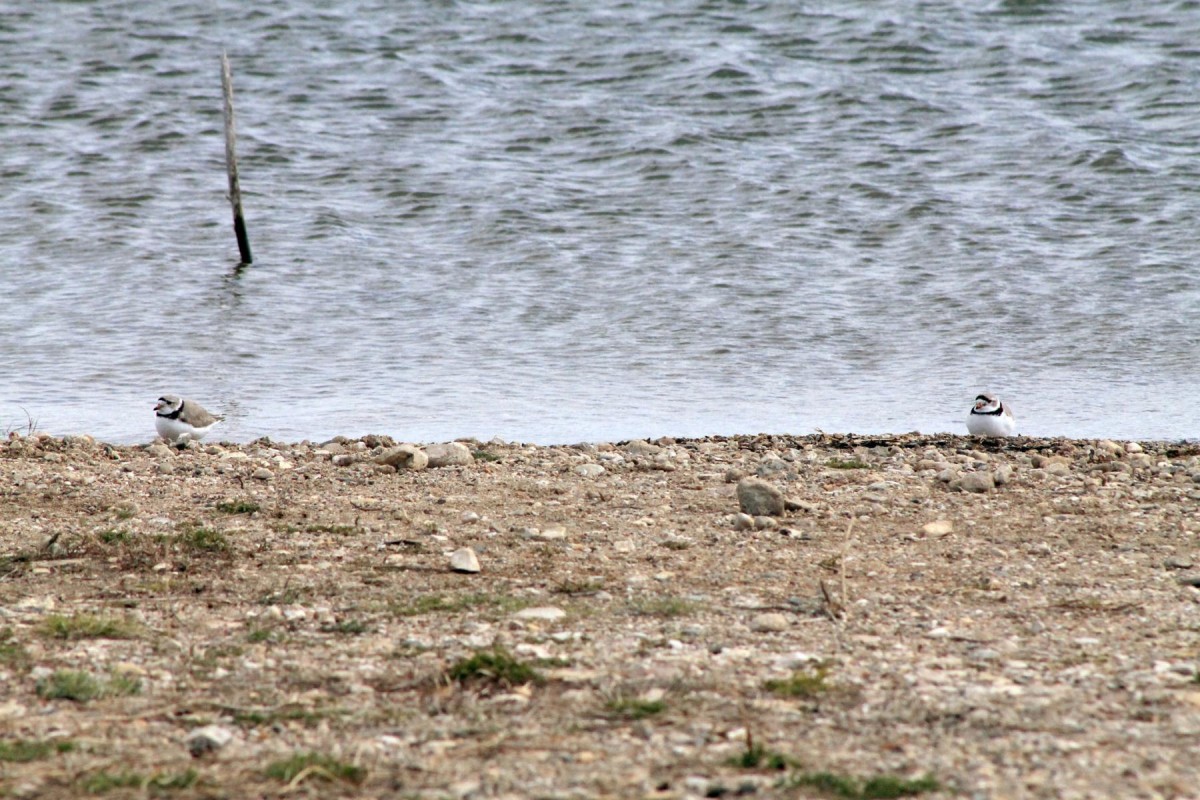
931, 616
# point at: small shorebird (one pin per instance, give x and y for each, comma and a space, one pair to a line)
178, 420
990, 417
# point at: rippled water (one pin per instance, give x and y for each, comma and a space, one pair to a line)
578, 221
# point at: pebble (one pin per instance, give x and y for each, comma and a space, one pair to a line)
1002, 474
1179, 562
158, 451
735, 474
590, 470
450, 454
756, 497
639, 447
342, 460
403, 456
1059, 468
464, 560
770, 622
978, 482
743, 522
208, 739
773, 465
940, 527
542, 613
262, 474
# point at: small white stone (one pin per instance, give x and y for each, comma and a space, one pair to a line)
208, 739
542, 613
939, 527
451, 454
770, 622
590, 470
464, 560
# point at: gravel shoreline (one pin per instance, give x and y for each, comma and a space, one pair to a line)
944, 616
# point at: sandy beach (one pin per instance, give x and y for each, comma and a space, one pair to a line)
764, 616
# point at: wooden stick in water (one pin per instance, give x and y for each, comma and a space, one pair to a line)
235, 189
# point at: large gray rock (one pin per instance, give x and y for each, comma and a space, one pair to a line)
758, 498
208, 739
450, 454
403, 456
464, 560
978, 482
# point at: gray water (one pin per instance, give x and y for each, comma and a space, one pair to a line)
569, 221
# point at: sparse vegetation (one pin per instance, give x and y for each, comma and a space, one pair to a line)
307, 717
12, 652
634, 707
114, 536
570, 587
197, 537
25, 750
849, 463
90, 626
238, 507
436, 603
303, 766
802, 683
158, 783
286, 596
82, 687
756, 756
495, 666
881, 787
347, 627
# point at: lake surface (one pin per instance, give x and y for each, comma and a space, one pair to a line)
568, 221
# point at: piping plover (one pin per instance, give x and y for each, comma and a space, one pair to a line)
178, 420
990, 417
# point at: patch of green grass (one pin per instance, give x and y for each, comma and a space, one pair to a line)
125, 511
802, 683
484, 455
756, 756
849, 463
158, 783
634, 707
302, 766
197, 537
664, 607
82, 687
89, 626
240, 507
24, 750
881, 787
495, 666
114, 536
